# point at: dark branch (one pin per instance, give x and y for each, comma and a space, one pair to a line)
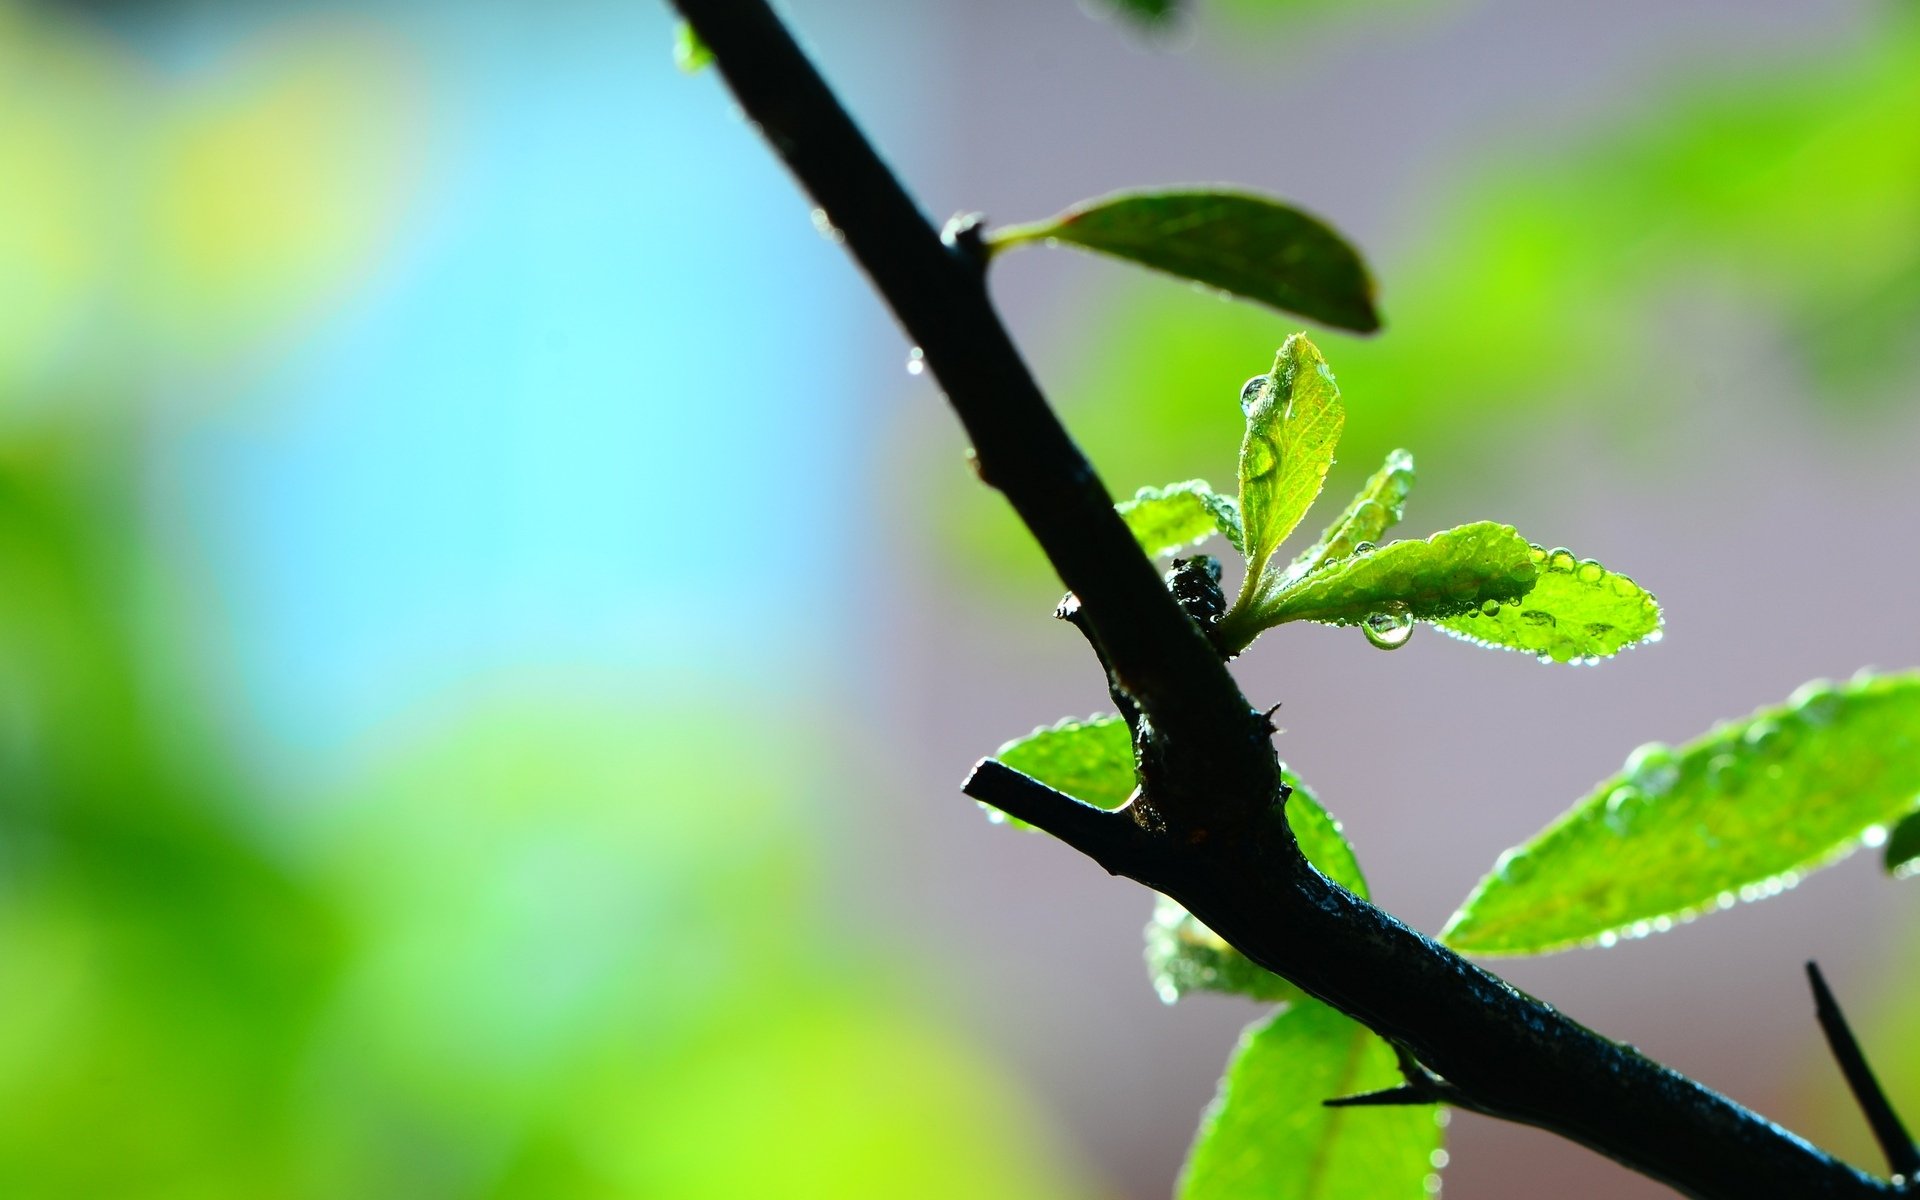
1206, 829
937, 288
1902, 1155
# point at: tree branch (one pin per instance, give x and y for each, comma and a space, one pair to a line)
1204, 829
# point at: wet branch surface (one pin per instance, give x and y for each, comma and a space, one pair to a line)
1205, 828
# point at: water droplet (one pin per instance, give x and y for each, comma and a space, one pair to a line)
1607, 940
1515, 866
1260, 458
1561, 560
1874, 837
1363, 548
1250, 392
916, 361
1623, 808
1652, 768
1537, 617
1599, 629
1818, 702
1589, 571
827, 229
1166, 989
1662, 924
1766, 736
1490, 608
1623, 587
1537, 554
1725, 772
1389, 628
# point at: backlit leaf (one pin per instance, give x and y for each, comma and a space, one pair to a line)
690, 54
1268, 1136
1090, 760
1294, 418
1454, 571
1164, 520
1376, 508
1578, 611
1739, 814
1249, 245
1183, 955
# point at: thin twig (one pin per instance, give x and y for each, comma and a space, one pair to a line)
1903, 1157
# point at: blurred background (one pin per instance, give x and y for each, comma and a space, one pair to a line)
490, 632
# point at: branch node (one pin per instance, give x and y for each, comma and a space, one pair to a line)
965, 235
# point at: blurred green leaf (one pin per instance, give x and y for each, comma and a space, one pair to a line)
1577, 611
1249, 245
1164, 520
1268, 1134
1147, 12
1739, 814
690, 54
1294, 418
1090, 760
1376, 508
1183, 955
1902, 855
1448, 573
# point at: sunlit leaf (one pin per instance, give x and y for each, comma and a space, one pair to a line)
1376, 508
1268, 1136
1453, 571
1577, 611
1090, 760
1294, 418
1739, 814
1903, 848
1164, 520
1183, 955
1249, 245
690, 54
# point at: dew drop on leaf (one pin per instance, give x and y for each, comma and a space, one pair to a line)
1589, 571
1250, 391
1389, 628
916, 361
1561, 560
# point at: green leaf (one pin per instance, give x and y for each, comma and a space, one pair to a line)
1741, 814
690, 54
1147, 12
1268, 1134
1578, 611
1164, 520
1249, 245
1903, 848
1090, 760
1183, 955
1294, 418
1376, 508
1454, 571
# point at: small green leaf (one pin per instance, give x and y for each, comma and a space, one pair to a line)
1739, 814
1090, 760
1376, 508
1183, 955
1578, 611
690, 54
1147, 12
1294, 419
1252, 246
1903, 848
1454, 571
1268, 1134
1172, 518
